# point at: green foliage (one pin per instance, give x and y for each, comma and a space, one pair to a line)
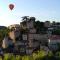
9, 57
18, 57
25, 58
3, 32
0, 58
35, 56
40, 27
57, 55
40, 55
6, 56
50, 53
56, 32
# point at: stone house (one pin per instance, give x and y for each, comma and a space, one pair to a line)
54, 42
32, 40
27, 42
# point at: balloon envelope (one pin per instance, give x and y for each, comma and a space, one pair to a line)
11, 6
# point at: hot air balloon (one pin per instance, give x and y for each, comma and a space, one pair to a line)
11, 6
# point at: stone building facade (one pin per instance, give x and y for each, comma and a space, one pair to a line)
27, 42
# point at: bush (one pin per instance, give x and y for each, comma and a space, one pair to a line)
18, 57
9, 57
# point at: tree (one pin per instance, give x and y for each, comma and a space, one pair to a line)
24, 23
32, 18
25, 18
40, 27
3, 32
56, 32
57, 55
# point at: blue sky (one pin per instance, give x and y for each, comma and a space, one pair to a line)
41, 9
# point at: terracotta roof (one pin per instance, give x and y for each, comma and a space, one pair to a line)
54, 37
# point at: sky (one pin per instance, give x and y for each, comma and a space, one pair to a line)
41, 9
